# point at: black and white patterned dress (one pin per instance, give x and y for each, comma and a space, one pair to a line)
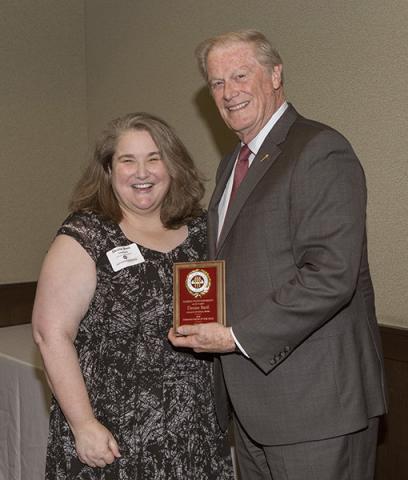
156, 401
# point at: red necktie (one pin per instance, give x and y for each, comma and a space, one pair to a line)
241, 169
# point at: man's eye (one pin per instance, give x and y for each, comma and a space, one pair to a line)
215, 85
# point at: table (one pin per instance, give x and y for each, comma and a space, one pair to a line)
24, 405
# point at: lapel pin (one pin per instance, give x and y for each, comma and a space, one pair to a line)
265, 157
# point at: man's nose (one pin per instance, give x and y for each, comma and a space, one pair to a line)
230, 91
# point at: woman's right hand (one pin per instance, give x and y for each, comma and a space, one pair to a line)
95, 444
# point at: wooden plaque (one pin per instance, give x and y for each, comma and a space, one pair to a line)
199, 293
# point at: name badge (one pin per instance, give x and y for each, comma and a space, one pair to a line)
122, 257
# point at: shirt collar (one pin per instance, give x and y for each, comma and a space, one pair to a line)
255, 143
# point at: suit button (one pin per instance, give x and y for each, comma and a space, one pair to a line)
287, 349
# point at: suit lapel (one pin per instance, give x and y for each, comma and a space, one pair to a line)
263, 161
225, 168
226, 171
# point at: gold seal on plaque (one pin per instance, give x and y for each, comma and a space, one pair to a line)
198, 282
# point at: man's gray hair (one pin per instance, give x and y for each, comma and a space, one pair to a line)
265, 53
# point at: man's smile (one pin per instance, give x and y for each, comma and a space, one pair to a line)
240, 106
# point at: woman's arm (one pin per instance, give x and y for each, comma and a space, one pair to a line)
65, 288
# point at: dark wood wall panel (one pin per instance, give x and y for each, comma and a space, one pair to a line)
16, 303
392, 454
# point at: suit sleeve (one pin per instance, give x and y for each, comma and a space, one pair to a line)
327, 222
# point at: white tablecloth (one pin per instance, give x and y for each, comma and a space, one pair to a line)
24, 405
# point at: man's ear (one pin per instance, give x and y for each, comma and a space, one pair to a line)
277, 76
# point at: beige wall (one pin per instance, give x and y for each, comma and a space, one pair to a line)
43, 125
345, 64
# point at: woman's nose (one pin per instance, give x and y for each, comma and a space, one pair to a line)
142, 170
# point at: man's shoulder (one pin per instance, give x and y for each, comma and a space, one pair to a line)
308, 129
316, 126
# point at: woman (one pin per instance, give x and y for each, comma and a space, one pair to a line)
127, 404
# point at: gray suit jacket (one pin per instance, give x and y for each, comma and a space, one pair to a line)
299, 292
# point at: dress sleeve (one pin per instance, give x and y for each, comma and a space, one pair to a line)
82, 227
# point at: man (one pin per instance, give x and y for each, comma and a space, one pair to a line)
300, 360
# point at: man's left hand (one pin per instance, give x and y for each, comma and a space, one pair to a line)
205, 337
